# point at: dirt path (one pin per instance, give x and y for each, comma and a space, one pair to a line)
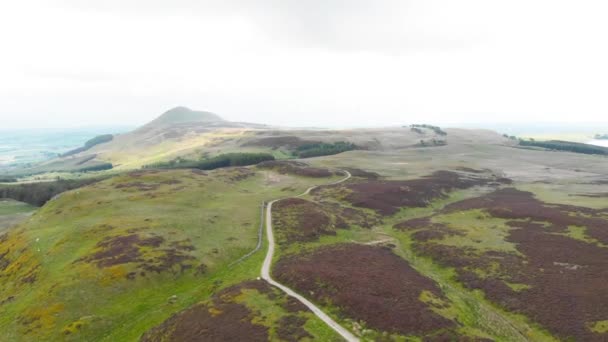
347, 335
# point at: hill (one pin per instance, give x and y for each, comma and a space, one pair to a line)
179, 115
185, 133
111, 260
477, 239
176, 132
100, 139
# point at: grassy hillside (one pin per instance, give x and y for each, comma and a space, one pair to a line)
476, 239
181, 132
13, 212
111, 260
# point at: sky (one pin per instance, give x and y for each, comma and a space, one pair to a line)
68, 63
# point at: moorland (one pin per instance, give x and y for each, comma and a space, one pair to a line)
437, 234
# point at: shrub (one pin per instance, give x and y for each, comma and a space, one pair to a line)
431, 143
435, 129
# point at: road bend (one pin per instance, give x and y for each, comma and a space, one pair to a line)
347, 335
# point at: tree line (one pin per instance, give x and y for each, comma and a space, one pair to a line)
100, 139
568, 146
96, 167
323, 149
222, 160
436, 129
39, 193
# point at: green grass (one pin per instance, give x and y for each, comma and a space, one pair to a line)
218, 215
10, 207
600, 327
517, 287
269, 312
566, 192
13, 212
212, 210
580, 233
482, 232
478, 316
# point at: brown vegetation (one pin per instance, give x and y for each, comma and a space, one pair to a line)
386, 197
519, 205
562, 281
124, 249
220, 320
225, 318
138, 186
367, 283
295, 168
291, 328
301, 220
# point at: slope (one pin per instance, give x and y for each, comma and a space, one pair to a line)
111, 260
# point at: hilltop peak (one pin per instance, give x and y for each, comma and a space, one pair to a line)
182, 114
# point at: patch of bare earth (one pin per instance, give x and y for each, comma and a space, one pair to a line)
366, 283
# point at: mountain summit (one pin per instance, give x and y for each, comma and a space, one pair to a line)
180, 115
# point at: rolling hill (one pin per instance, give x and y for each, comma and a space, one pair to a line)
182, 132
477, 239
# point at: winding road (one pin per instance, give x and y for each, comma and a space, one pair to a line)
347, 335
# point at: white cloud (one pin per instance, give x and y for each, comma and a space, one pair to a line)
303, 62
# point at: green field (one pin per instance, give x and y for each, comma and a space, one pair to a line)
13, 212
9, 207
101, 262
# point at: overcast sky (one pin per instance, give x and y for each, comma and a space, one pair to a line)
303, 62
